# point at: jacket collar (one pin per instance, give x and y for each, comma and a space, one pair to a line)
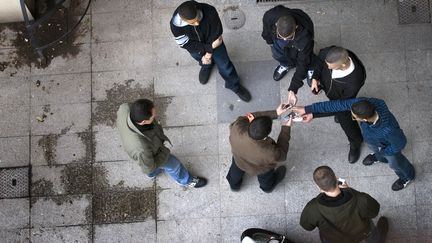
178, 21
132, 126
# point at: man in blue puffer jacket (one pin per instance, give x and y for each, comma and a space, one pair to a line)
380, 131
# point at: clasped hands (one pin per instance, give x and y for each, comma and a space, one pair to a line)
207, 58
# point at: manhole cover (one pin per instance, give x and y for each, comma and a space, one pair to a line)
14, 182
234, 18
414, 11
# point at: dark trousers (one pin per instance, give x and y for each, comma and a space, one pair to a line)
283, 60
235, 177
225, 66
350, 127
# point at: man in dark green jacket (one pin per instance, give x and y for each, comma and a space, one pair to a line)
342, 214
143, 140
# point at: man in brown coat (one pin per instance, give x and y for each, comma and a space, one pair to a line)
254, 152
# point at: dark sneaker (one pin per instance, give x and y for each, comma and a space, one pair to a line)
400, 184
382, 227
280, 175
243, 94
236, 188
354, 154
280, 72
204, 74
370, 160
197, 182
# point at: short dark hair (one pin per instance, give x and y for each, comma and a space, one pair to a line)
187, 10
286, 25
325, 178
260, 127
363, 109
337, 54
141, 110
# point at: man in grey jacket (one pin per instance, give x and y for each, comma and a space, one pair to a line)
143, 140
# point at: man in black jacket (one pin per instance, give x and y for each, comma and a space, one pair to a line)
341, 74
342, 214
290, 33
198, 29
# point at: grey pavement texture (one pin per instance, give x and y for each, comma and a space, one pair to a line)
83, 186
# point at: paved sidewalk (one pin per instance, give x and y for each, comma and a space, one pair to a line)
85, 189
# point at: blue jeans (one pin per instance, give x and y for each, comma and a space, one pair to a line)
397, 162
283, 60
226, 68
175, 169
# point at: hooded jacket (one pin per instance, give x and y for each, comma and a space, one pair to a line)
301, 49
197, 39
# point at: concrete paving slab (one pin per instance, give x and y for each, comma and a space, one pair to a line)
418, 93
15, 213
189, 230
223, 138
14, 121
9, 66
418, 65
420, 126
416, 41
61, 89
422, 156
199, 140
103, 6
369, 38
113, 56
297, 233
366, 12
252, 47
186, 110
379, 187
384, 67
422, 191
161, 22
69, 64
130, 232
61, 234
83, 31
233, 227
168, 53
406, 228
15, 235
327, 35
298, 194
15, 91
264, 91
424, 219
175, 135
121, 175
61, 211
109, 147
60, 149
15, 152
125, 25
122, 85
182, 81
204, 166
233, 203
60, 119
186, 203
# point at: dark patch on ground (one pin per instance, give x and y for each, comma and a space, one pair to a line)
60, 22
116, 207
77, 178
161, 105
42, 187
90, 149
48, 143
59, 200
106, 111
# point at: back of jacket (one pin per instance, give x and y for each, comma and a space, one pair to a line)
147, 148
347, 223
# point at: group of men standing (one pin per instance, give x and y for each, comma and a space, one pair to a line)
342, 214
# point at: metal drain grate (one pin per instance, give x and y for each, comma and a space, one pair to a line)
414, 11
14, 182
234, 18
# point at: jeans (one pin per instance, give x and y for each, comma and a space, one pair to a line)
175, 169
397, 162
235, 177
225, 66
283, 60
374, 236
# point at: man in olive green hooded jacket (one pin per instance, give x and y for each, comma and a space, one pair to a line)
143, 140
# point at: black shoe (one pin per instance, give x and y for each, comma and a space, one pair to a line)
354, 154
400, 184
336, 120
243, 94
197, 182
280, 175
204, 74
382, 227
280, 72
236, 188
370, 160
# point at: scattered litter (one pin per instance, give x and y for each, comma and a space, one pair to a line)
41, 118
38, 83
292, 168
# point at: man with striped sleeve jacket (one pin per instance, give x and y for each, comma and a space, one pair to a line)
198, 29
